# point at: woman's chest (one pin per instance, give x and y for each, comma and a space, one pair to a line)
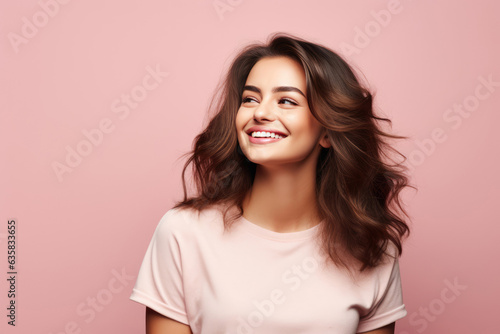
252, 289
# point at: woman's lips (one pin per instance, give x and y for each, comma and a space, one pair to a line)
258, 140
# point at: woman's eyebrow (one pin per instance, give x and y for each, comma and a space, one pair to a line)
275, 89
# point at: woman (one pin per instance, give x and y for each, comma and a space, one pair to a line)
293, 228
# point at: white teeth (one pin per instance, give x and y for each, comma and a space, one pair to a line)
264, 134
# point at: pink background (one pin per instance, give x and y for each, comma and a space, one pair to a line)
76, 232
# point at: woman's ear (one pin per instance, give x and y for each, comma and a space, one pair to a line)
325, 140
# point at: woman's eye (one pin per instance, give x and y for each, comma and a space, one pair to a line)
288, 100
247, 99
283, 101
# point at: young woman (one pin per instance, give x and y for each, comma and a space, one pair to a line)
296, 224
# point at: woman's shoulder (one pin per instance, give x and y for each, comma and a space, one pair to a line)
388, 264
188, 221
391, 252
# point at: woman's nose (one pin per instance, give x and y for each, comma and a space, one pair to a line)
265, 110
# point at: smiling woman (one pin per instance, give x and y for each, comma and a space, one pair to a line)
273, 102
297, 224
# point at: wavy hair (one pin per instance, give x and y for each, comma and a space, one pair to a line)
358, 194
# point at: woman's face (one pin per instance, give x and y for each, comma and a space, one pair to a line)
274, 99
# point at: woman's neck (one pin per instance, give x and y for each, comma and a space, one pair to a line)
282, 199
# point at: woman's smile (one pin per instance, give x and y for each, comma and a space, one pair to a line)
264, 137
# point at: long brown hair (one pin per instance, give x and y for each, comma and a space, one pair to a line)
358, 194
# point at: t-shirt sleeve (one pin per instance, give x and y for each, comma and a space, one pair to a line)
159, 283
388, 305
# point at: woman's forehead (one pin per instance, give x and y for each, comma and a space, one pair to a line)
277, 71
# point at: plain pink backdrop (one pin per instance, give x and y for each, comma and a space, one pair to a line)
65, 67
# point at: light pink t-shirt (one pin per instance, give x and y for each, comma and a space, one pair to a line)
254, 280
